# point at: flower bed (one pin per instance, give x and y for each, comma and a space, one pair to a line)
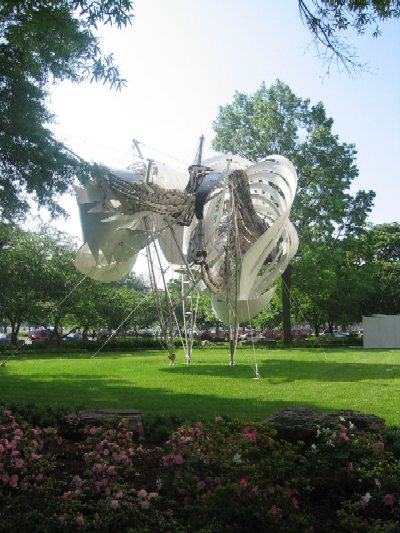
207, 477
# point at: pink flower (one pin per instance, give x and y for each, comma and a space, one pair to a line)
295, 503
178, 459
350, 467
13, 481
167, 460
144, 504
142, 494
114, 505
201, 485
343, 437
243, 482
111, 471
251, 435
388, 499
119, 495
93, 431
36, 432
98, 468
5, 478
153, 495
218, 419
199, 424
18, 433
19, 463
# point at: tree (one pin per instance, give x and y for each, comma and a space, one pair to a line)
383, 243
328, 19
337, 293
275, 120
41, 42
36, 273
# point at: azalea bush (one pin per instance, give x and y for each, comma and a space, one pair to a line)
234, 476
209, 477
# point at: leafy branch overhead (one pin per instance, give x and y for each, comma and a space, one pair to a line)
329, 20
43, 42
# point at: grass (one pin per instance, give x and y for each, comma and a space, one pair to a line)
364, 380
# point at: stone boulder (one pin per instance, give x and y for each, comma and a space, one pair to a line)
74, 423
301, 423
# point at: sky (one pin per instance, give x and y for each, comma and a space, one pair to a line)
182, 59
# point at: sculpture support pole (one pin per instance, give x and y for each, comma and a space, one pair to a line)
286, 306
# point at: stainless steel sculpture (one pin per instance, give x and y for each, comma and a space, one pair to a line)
226, 224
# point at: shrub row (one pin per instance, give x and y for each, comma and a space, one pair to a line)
208, 477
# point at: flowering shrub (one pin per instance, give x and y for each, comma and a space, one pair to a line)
238, 474
22, 462
208, 477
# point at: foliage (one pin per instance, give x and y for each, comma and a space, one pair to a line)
42, 42
36, 270
383, 257
210, 477
328, 19
40, 285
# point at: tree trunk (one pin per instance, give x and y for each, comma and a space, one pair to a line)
286, 306
15, 325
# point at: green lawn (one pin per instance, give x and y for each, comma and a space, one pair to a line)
365, 380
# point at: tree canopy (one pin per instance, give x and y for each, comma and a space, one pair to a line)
42, 42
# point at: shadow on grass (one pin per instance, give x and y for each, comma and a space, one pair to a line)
289, 370
100, 393
79, 355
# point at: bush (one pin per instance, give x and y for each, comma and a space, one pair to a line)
226, 475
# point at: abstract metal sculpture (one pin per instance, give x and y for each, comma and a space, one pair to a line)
226, 225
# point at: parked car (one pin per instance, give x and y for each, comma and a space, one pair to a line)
72, 336
272, 334
4, 338
213, 334
249, 334
39, 335
104, 334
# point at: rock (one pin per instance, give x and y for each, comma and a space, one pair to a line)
77, 421
301, 423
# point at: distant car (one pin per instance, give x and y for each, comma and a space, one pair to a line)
213, 334
7, 339
39, 335
104, 334
73, 336
249, 334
